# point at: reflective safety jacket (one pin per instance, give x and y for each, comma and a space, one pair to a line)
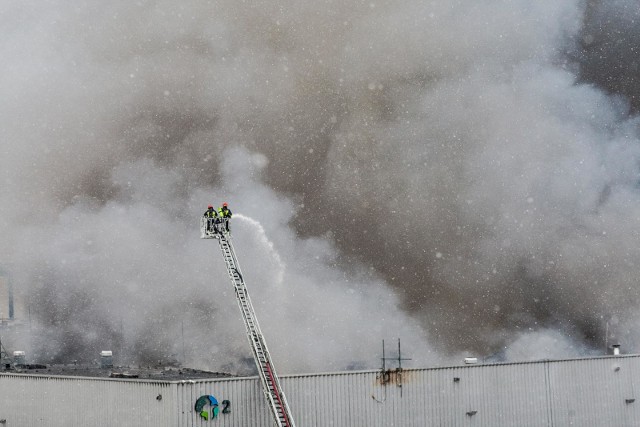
210, 213
224, 213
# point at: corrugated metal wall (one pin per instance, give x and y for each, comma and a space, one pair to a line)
506, 395
247, 403
603, 389
27, 401
585, 392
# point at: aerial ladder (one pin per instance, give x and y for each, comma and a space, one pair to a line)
217, 228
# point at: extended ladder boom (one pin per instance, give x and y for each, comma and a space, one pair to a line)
270, 383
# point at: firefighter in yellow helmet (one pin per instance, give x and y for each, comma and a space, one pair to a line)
225, 213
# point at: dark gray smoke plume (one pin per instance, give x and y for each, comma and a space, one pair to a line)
610, 43
463, 175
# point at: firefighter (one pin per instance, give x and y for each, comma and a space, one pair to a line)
210, 214
225, 213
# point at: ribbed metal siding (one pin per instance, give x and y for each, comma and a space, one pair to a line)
602, 390
69, 401
248, 405
587, 392
509, 395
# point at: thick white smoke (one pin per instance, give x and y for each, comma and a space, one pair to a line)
132, 274
446, 172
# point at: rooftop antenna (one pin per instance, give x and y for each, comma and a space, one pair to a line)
5, 361
606, 337
386, 374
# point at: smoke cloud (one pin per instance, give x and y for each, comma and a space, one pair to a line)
463, 175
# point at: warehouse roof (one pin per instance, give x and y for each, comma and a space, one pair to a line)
128, 372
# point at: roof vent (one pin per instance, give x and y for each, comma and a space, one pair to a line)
106, 359
19, 358
616, 349
470, 360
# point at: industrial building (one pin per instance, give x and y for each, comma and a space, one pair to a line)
596, 391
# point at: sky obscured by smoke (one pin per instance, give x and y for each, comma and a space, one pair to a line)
463, 175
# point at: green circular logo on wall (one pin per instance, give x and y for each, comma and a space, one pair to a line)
207, 407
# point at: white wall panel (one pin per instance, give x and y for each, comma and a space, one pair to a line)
27, 400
